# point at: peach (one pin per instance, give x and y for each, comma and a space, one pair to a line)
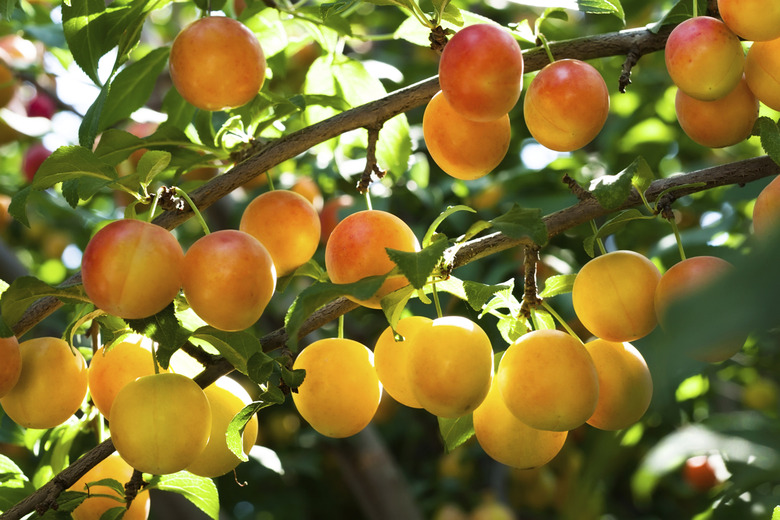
766, 210
131, 268
112, 467
8, 84
356, 249
11, 367
51, 387
481, 72
762, 72
510, 441
686, 277
613, 296
341, 391
228, 278
566, 105
548, 381
217, 63
722, 122
450, 366
754, 20
704, 58
287, 224
463, 148
390, 358
625, 384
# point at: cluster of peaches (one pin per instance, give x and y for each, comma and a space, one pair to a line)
161, 422
719, 88
466, 125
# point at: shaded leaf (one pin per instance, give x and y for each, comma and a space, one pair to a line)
394, 303
612, 190
613, 225
236, 347
428, 237
770, 138
201, 491
26, 290
259, 367
455, 432
418, 266
235, 430
165, 329
521, 223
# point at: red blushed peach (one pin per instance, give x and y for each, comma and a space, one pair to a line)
766, 210
686, 277
481, 72
754, 20
704, 58
217, 63
723, 122
566, 105
329, 216
131, 268
228, 278
463, 148
357, 247
762, 72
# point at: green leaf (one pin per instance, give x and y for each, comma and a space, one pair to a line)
613, 225
165, 329
74, 163
428, 238
114, 513
66, 502
116, 145
86, 32
201, 491
132, 87
418, 266
511, 328
151, 164
521, 222
542, 319
18, 207
318, 294
478, 294
770, 138
612, 190
680, 12
776, 513
210, 5
393, 304
558, 284
26, 290
14, 485
503, 299
259, 367
90, 125
602, 7
235, 430
292, 378
455, 432
6, 10
236, 347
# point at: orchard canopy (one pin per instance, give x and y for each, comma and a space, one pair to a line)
389, 259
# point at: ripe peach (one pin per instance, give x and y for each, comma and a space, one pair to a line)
723, 122
111, 370
566, 105
699, 473
226, 398
51, 387
390, 358
340, 393
625, 384
41, 106
329, 216
766, 210
11, 367
762, 72
131, 268
450, 366
287, 224
160, 423
228, 278
754, 20
704, 58
33, 158
547, 380
686, 277
112, 467
217, 63
613, 296
510, 441
8, 84
18, 52
463, 148
481, 72
356, 250
308, 187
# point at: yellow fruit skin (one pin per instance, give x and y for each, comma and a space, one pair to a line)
11, 367
226, 398
110, 371
390, 358
762, 72
625, 384
92, 508
753, 20
160, 423
51, 386
547, 380
508, 440
341, 391
613, 296
450, 366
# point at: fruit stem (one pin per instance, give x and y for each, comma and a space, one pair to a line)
367, 194
598, 239
436, 302
563, 323
194, 208
341, 327
546, 46
677, 237
695, 8
154, 359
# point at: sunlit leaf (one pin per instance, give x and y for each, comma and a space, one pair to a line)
236, 347
418, 266
201, 491
521, 222
165, 329
26, 290
479, 294
558, 284
455, 432
770, 138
